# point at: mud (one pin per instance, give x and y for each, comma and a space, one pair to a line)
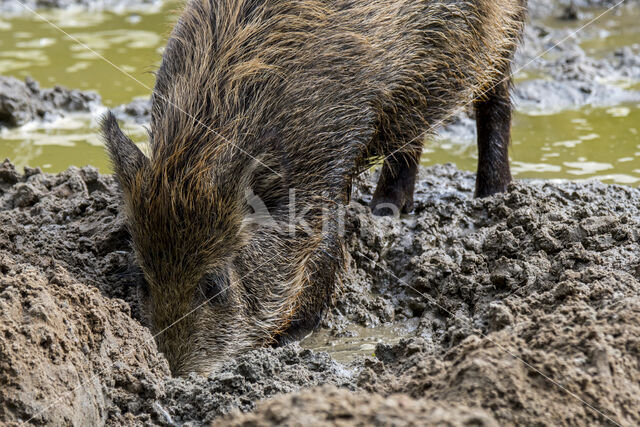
567, 9
574, 80
138, 111
522, 305
68, 355
22, 102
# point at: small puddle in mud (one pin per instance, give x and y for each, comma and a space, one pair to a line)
358, 340
586, 143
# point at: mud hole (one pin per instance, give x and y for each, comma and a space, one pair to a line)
524, 309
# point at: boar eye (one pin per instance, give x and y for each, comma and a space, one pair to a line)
213, 287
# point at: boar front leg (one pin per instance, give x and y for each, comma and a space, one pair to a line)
394, 191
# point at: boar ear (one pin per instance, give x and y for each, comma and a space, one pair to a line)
126, 157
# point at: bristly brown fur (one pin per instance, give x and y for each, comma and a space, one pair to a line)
272, 95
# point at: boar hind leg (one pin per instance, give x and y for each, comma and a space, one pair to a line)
493, 121
394, 192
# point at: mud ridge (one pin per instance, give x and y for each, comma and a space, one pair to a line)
22, 102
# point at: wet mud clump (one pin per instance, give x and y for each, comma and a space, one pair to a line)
22, 102
68, 354
523, 308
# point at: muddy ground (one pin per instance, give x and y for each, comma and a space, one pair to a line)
523, 308
526, 310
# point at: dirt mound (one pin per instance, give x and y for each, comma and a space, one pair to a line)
524, 308
528, 302
67, 354
244, 381
72, 218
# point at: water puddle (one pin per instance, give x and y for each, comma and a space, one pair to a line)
54, 146
360, 341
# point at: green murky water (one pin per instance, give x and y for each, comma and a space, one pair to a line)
602, 142
29, 46
593, 142
133, 42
